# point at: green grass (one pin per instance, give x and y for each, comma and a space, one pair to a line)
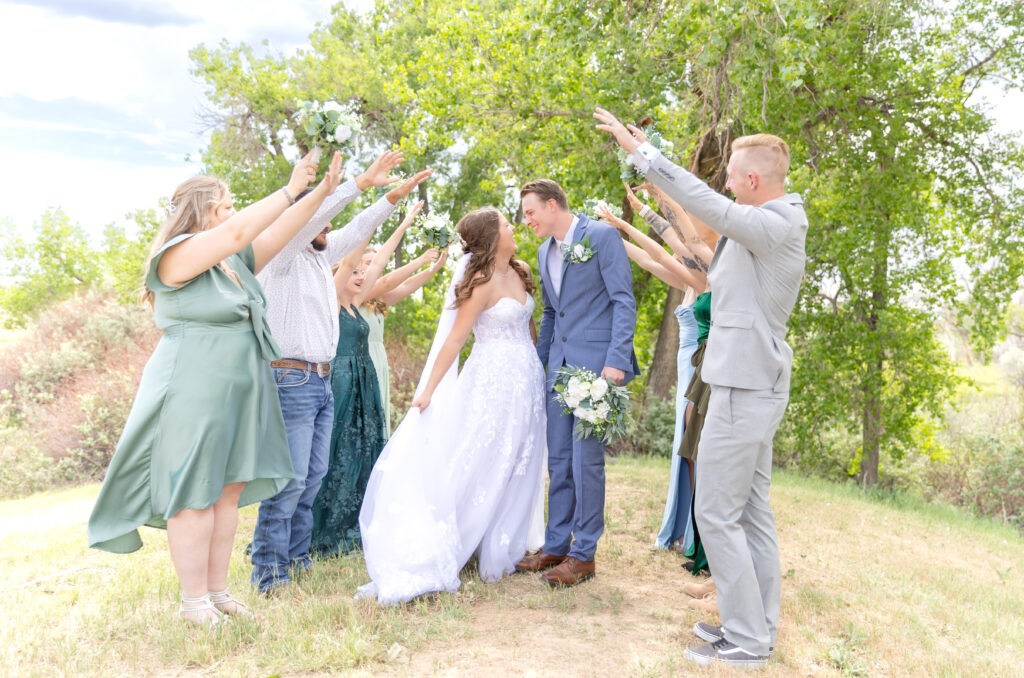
874, 584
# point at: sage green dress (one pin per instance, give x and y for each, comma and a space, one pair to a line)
206, 413
379, 356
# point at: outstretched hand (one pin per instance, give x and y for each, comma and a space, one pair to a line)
377, 174
606, 214
303, 175
333, 176
439, 264
633, 200
405, 188
411, 216
628, 138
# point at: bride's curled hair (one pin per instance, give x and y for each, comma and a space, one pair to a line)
479, 232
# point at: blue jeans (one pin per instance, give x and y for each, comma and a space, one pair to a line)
285, 522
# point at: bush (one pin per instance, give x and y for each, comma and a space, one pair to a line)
650, 427
66, 387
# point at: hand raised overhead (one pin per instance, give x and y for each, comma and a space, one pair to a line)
628, 137
405, 188
377, 174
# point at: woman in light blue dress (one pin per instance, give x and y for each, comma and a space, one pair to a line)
675, 521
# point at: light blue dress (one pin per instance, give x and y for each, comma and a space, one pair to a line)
676, 519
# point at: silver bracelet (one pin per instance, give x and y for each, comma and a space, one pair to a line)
291, 200
645, 212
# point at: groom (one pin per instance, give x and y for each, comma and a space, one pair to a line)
589, 319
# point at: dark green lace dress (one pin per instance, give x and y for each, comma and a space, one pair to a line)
356, 441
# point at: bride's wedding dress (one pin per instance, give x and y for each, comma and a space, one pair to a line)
466, 475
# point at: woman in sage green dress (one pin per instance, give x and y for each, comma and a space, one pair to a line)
359, 432
388, 291
205, 433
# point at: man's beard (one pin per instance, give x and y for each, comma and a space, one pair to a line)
319, 245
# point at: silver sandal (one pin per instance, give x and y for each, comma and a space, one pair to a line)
190, 605
223, 599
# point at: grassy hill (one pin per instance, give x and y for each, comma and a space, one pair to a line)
874, 585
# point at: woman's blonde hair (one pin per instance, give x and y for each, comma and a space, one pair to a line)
189, 213
376, 305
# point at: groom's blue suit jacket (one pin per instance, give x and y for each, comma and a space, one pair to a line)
590, 323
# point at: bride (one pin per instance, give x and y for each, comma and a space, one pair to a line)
463, 472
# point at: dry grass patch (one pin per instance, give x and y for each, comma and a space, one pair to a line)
871, 587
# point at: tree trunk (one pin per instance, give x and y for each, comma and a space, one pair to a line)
871, 431
663, 373
872, 428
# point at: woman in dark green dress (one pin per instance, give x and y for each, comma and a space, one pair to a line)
205, 433
360, 428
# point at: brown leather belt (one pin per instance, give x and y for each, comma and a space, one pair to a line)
322, 369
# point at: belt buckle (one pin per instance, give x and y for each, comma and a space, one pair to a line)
323, 369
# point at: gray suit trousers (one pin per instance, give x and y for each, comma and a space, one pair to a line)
737, 527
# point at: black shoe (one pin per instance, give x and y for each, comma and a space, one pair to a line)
723, 652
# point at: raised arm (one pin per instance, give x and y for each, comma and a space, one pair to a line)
464, 319
206, 249
344, 240
644, 261
758, 228
380, 259
390, 281
697, 236
675, 228
683, 274
413, 283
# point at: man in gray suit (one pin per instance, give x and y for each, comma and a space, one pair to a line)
755, 277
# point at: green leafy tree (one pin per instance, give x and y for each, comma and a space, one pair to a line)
50, 267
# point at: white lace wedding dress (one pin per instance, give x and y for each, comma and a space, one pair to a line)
467, 475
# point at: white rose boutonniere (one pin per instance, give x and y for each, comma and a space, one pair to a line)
579, 252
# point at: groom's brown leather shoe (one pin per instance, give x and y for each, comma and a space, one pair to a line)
571, 572
538, 561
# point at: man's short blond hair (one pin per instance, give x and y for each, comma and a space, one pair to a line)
769, 154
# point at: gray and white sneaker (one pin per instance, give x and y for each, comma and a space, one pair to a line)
707, 632
711, 633
723, 652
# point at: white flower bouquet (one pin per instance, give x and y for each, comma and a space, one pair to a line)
629, 172
437, 230
597, 403
328, 124
591, 205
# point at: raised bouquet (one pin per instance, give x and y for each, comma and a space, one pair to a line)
629, 172
436, 230
597, 403
591, 205
328, 125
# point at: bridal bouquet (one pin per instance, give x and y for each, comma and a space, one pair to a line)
630, 174
591, 205
328, 124
437, 230
598, 404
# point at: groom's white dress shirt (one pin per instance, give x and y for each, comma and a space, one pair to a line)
556, 258
302, 304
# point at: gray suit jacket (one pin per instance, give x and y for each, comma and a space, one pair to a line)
755, 277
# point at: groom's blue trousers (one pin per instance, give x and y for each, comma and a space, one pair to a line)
575, 490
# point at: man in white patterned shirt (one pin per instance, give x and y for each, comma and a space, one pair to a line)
302, 311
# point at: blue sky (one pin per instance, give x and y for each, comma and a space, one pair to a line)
97, 108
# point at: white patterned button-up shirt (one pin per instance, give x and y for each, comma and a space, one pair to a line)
302, 304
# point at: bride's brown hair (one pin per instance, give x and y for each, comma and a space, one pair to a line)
479, 232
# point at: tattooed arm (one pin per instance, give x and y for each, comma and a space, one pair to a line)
652, 257
698, 236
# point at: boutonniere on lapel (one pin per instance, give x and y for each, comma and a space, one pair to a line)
580, 252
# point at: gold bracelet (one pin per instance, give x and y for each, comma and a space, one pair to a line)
291, 200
